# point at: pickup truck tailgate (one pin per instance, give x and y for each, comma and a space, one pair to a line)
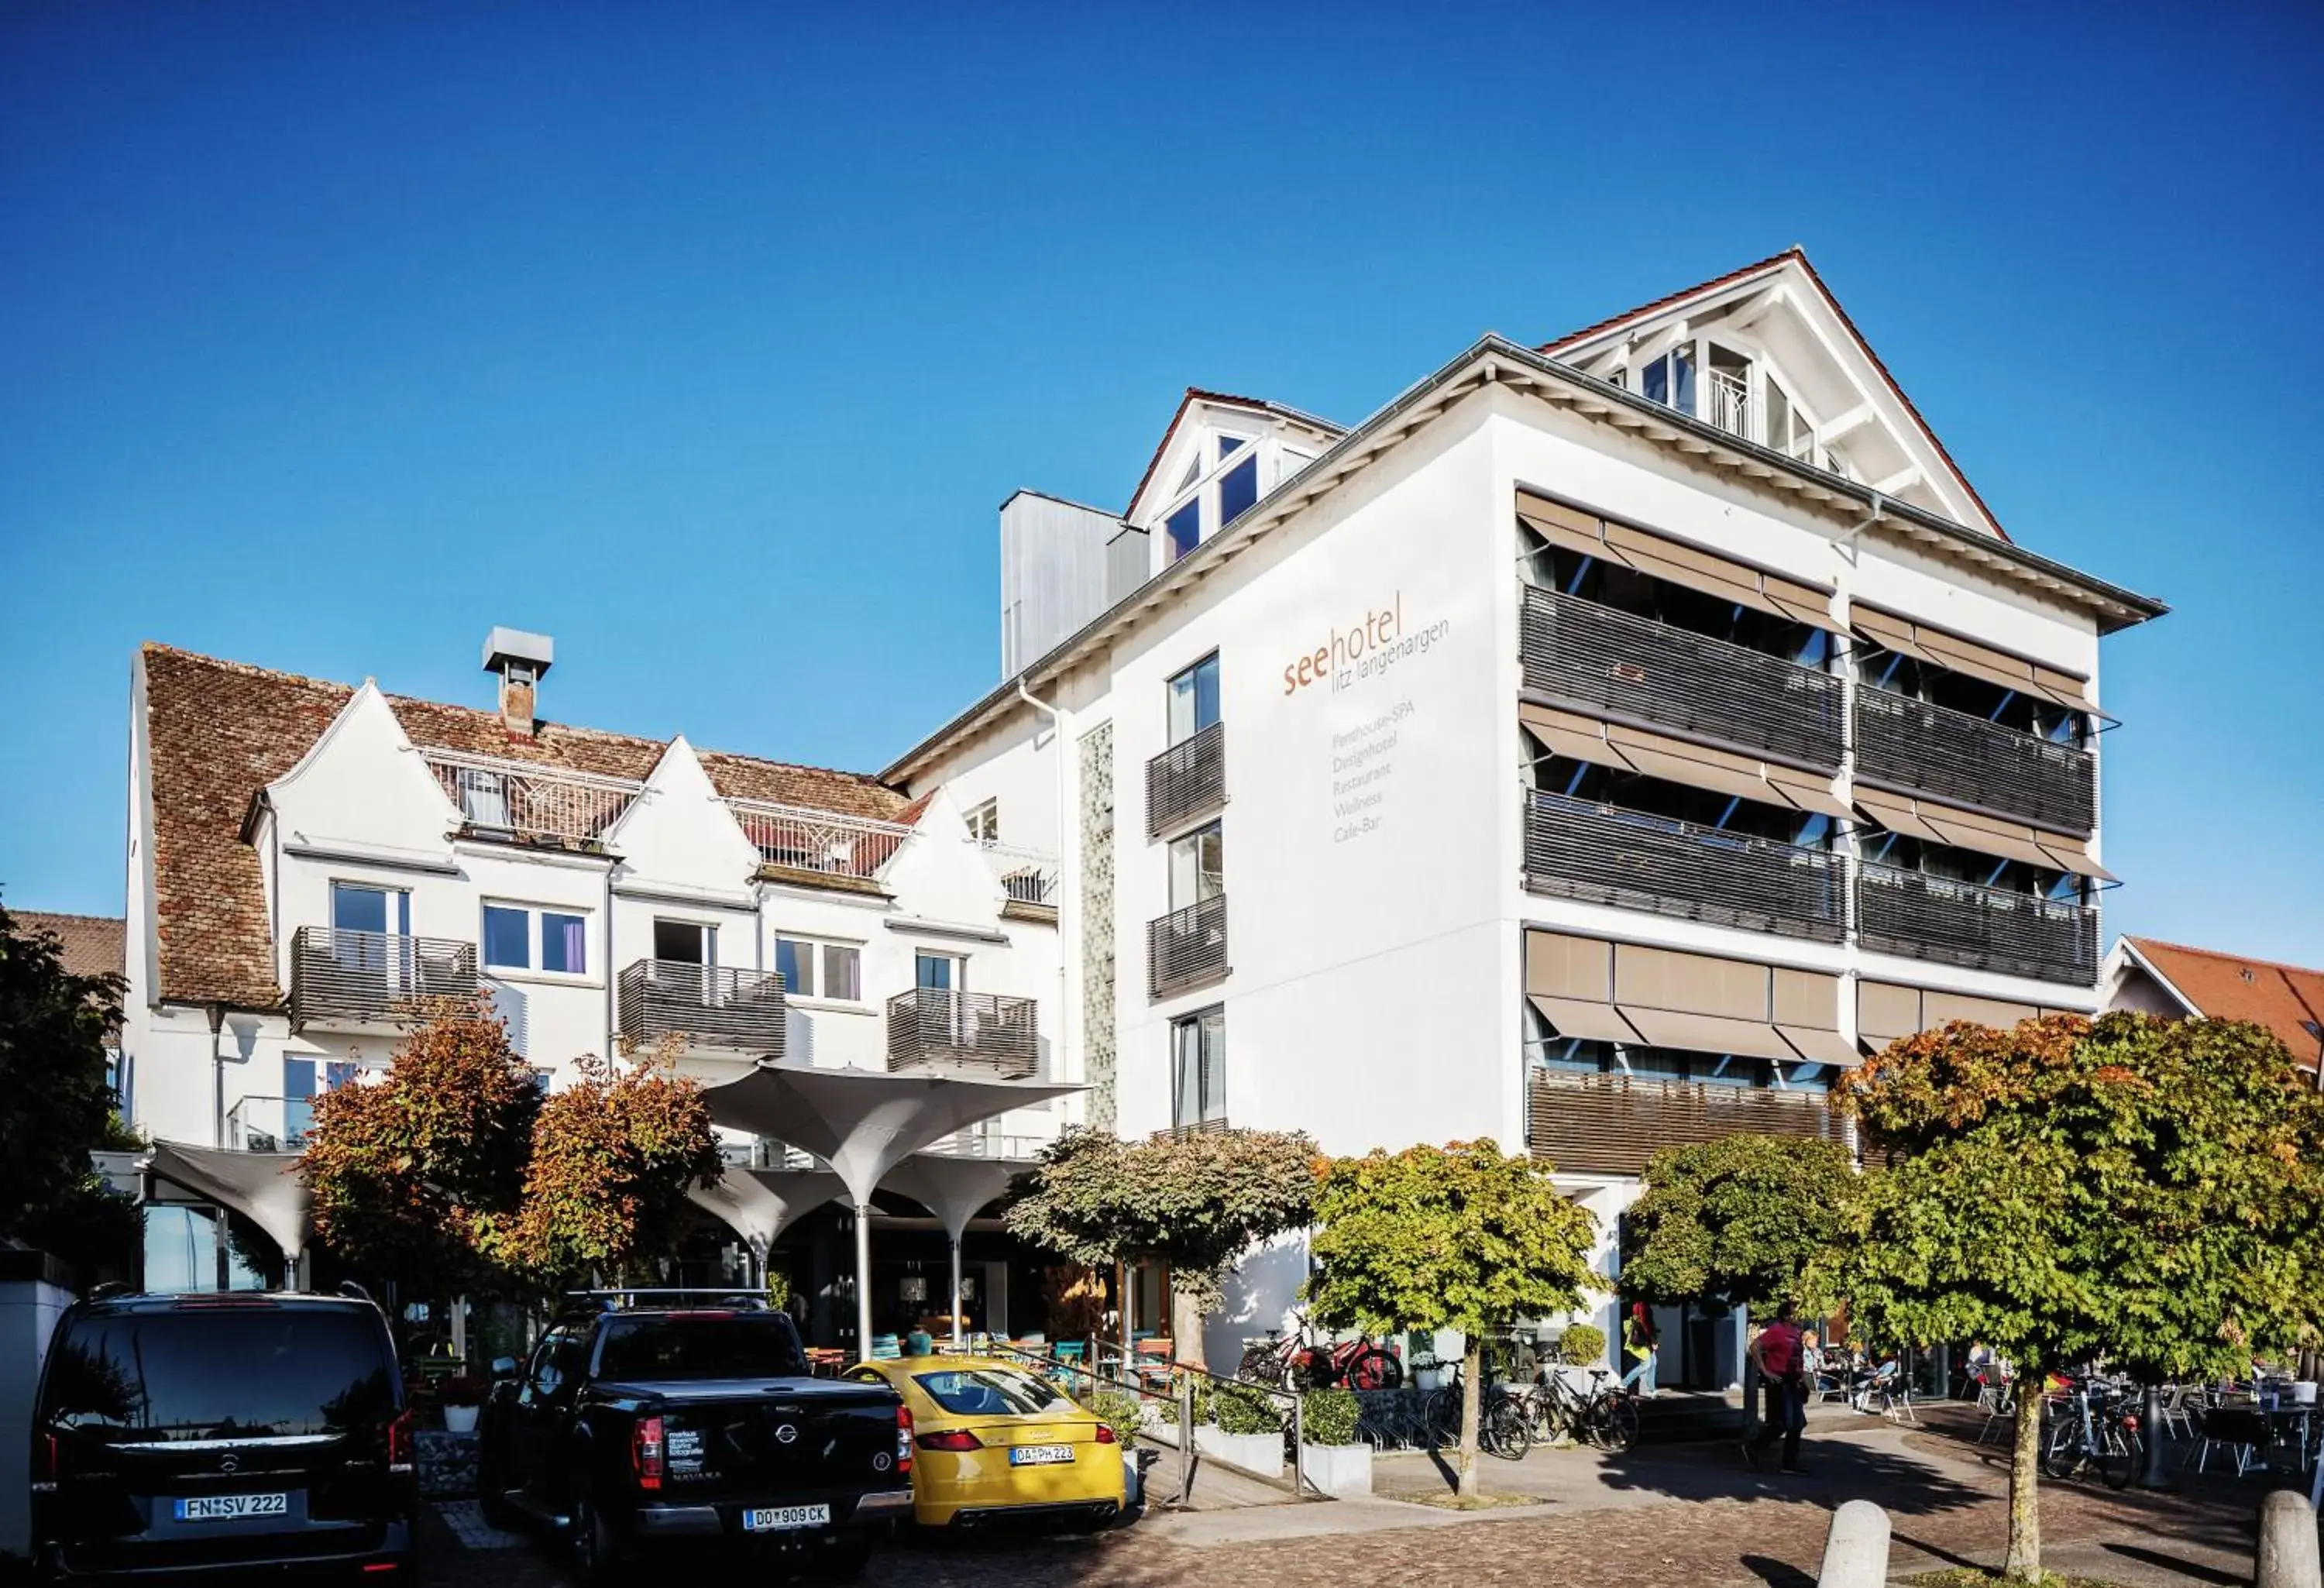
789, 1436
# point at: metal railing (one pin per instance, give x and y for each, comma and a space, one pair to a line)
341, 978
1186, 946
988, 1032
1186, 779
1214, 1126
1610, 1125
1029, 875
978, 1142
1614, 662
1726, 402
1917, 746
711, 1005
764, 1152
518, 800
803, 840
270, 1124
1607, 854
1927, 916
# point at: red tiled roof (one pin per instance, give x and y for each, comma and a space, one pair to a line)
92, 944
1721, 283
219, 732
2286, 998
1196, 394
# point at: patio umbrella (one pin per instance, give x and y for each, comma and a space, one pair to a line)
955, 1189
759, 1204
265, 1187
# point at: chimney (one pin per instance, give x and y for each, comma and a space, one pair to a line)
520, 658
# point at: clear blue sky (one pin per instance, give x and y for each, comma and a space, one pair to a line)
707, 338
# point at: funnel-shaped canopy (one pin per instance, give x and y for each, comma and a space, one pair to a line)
758, 1205
955, 1189
265, 1187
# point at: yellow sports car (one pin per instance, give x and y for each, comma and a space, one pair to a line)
992, 1442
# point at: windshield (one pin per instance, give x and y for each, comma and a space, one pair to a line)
992, 1392
234, 1373
742, 1345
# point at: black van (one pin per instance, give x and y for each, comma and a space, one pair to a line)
239, 1433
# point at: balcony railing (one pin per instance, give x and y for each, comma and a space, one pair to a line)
1986, 929
1726, 403
988, 1033
1608, 660
1216, 1125
1186, 779
270, 1124
343, 979
1606, 854
802, 840
1612, 1124
764, 1152
517, 799
711, 1005
1912, 744
981, 1143
1186, 946
1029, 875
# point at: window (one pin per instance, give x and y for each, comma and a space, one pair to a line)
1238, 490
984, 822
827, 970
522, 938
1669, 379
939, 973
1195, 699
1231, 445
1197, 866
1198, 1046
358, 907
686, 942
1184, 527
993, 1392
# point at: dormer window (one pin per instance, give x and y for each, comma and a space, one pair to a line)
1231, 445
1729, 392
1215, 498
1669, 378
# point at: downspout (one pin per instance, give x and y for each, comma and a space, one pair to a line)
1064, 1006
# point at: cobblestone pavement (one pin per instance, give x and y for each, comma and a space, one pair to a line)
1682, 1516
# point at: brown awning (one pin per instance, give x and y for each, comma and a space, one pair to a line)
1680, 761
1592, 1022
1708, 1033
1561, 525
2076, 858
1940, 1009
2065, 689
1964, 655
1664, 558
1571, 980
1986, 834
1807, 790
1807, 1013
1820, 1046
1568, 733
1885, 1012
1695, 765
1898, 813
1709, 1004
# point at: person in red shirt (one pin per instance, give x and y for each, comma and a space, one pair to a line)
1783, 1368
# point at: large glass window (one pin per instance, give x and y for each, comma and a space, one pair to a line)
1237, 489
812, 969
1197, 866
519, 937
1195, 699
248, 1371
564, 943
1669, 378
939, 973
1199, 1072
508, 938
795, 959
1184, 527
686, 942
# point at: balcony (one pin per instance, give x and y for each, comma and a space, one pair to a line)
345, 980
987, 1034
519, 802
1015, 1147
1186, 779
820, 847
1187, 946
1924, 917
1914, 746
1216, 1125
1726, 403
1606, 854
270, 1124
1612, 1124
1614, 663
1029, 877
710, 1005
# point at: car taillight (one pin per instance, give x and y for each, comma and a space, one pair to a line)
44, 1463
951, 1439
1105, 1433
645, 1452
903, 1437
398, 1442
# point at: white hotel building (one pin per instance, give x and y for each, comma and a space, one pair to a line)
1595, 749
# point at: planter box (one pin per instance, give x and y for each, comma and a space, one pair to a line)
460, 1419
1338, 1469
446, 1462
1254, 1452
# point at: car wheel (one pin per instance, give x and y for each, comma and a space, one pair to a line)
491, 1496
597, 1555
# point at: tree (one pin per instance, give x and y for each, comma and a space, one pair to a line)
1746, 1221
2147, 1191
1456, 1237
1196, 1203
56, 1107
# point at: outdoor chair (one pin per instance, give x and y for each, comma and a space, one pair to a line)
2244, 1429
1996, 1398
2180, 1403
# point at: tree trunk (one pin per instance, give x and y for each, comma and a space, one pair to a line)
1186, 1328
2023, 1562
1473, 1400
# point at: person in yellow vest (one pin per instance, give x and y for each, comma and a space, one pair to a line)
1638, 1343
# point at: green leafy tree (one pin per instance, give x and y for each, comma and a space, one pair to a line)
1457, 1237
55, 1106
1196, 1204
1746, 1221
2150, 1192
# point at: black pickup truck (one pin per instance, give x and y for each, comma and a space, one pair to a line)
646, 1432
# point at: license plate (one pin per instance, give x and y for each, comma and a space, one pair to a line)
1039, 1455
226, 1508
776, 1519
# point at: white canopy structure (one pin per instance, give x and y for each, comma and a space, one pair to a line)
955, 1189
265, 1187
759, 1204
864, 1123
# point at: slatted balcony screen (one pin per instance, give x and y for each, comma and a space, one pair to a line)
1605, 855
340, 977
1612, 1124
1986, 929
805, 840
711, 1005
1186, 946
1214, 1126
1186, 779
1914, 746
1606, 660
520, 800
988, 1033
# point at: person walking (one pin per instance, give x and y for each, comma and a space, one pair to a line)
1638, 1342
1781, 1359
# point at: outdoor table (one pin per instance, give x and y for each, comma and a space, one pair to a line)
2299, 1422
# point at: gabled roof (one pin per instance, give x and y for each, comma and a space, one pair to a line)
1221, 400
1772, 265
2286, 998
91, 945
219, 732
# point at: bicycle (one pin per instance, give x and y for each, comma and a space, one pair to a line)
2092, 1429
1297, 1362
1503, 1427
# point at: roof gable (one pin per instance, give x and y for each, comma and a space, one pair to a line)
2288, 999
1196, 412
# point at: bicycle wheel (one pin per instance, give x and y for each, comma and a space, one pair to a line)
1259, 1364
2062, 1449
2119, 1451
1374, 1369
1618, 1422
1442, 1418
1506, 1433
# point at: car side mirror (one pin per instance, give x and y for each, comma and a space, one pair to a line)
547, 1380
503, 1366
